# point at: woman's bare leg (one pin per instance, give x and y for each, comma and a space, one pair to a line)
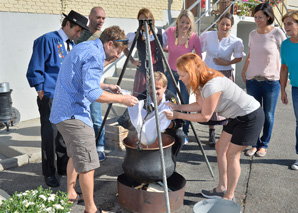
221, 149
233, 168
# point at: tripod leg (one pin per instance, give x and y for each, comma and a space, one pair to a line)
156, 114
180, 97
119, 81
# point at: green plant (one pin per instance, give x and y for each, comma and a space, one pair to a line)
247, 6
39, 200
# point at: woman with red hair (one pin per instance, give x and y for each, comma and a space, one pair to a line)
216, 93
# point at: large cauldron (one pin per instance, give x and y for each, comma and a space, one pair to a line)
145, 165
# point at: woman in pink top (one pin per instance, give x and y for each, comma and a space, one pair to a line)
177, 41
261, 71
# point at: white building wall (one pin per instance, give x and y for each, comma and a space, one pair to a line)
18, 31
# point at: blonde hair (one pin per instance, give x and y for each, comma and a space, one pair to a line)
293, 14
159, 76
188, 14
199, 72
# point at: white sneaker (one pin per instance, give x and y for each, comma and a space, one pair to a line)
295, 165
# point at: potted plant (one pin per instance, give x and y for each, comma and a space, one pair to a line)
39, 200
246, 7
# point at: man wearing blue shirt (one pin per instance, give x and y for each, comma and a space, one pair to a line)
96, 20
49, 51
78, 85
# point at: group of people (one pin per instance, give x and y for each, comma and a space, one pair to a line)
265, 72
67, 80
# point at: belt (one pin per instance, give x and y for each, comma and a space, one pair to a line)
260, 78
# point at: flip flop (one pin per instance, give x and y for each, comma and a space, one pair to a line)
78, 199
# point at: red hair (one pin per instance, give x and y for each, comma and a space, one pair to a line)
199, 72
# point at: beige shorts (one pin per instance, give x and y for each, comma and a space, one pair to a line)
80, 144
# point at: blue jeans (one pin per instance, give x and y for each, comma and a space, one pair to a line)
295, 104
183, 91
266, 92
95, 109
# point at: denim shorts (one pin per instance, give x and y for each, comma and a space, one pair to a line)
80, 144
245, 130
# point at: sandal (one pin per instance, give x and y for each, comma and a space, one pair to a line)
78, 199
262, 153
251, 152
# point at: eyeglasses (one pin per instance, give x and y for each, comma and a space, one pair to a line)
124, 41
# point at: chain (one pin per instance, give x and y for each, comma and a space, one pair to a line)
147, 103
147, 78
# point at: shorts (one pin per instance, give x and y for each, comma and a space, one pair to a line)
245, 130
80, 144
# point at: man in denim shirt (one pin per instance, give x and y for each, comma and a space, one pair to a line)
78, 85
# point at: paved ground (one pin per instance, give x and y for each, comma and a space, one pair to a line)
266, 184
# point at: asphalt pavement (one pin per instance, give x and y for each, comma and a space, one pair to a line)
266, 184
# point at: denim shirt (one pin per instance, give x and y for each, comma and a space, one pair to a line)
78, 83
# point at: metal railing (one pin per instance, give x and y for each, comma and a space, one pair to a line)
230, 7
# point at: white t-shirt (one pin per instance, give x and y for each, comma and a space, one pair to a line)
227, 47
233, 101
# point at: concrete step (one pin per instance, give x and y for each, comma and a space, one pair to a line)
206, 21
205, 26
126, 83
130, 65
116, 108
129, 72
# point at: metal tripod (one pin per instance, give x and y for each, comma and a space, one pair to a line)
146, 23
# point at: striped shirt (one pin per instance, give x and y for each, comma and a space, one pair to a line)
78, 83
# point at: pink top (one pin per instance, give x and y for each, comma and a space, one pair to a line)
176, 51
265, 54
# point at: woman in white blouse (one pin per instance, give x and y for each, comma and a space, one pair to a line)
220, 46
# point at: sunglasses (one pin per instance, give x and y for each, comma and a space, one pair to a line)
124, 41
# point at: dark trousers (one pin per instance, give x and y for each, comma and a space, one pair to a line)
179, 137
51, 141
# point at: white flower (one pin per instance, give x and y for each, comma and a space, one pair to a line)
41, 207
58, 206
45, 202
50, 209
25, 202
51, 198
43, 197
